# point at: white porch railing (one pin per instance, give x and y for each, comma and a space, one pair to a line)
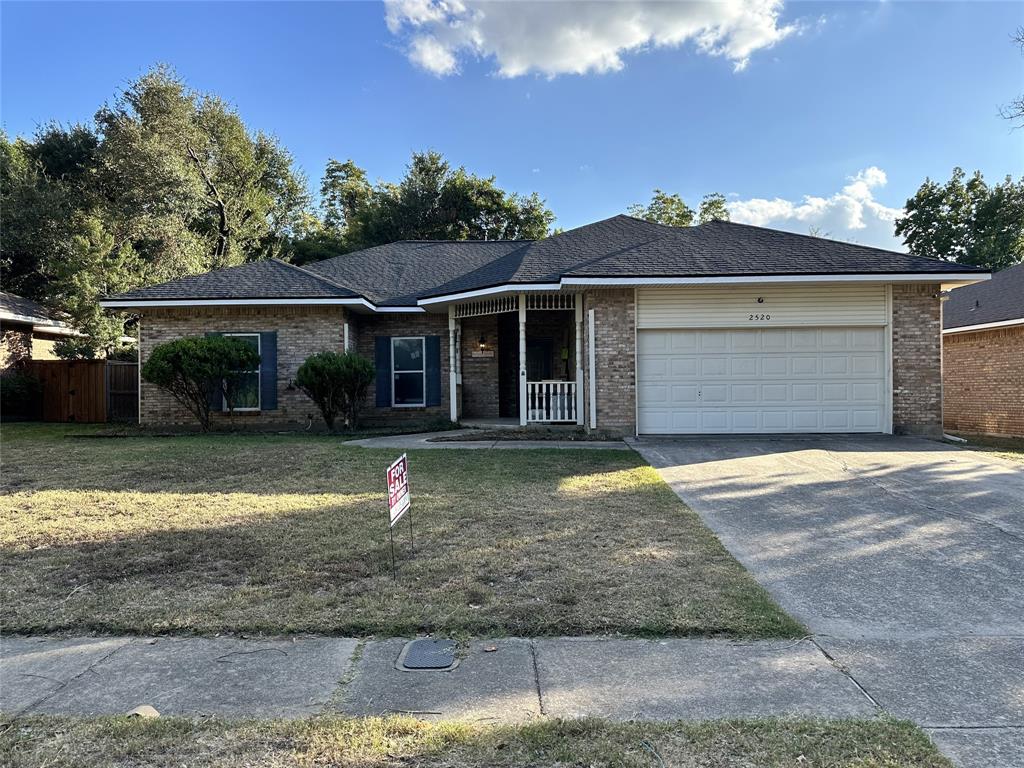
551, 401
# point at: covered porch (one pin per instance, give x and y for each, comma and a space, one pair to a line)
517, 359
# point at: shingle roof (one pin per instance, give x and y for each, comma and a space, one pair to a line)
993, 301
399, 273
270, 279
14, 307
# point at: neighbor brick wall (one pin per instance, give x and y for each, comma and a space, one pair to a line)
301, 332
917, 359
479, 374
983, 381
371, 326
15, 345
615, 348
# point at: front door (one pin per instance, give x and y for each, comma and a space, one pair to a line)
508, 365
538, 359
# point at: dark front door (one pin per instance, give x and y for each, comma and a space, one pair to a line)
508, 365
538, 359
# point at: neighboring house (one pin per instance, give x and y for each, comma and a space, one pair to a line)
983, 356
28, 331
621, 325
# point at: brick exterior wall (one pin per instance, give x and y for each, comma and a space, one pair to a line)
917, 360
615, 349
983, 381
301, 332
368, 327
479, 374
15, 345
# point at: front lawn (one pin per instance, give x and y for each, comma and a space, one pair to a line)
281, 534
33, 742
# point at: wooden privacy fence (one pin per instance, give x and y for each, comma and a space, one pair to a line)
87, 390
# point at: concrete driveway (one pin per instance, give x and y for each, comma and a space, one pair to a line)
904, 558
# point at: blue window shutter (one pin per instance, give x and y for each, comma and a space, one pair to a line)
268, 371
216, 396
433, 363
382, 362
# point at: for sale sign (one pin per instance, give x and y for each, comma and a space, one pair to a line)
398, 489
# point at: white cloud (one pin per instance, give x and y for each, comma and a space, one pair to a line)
851, 214
555, 38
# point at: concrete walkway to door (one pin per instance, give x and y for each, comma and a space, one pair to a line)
905, 558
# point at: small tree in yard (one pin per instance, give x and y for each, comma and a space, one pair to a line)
197, 369
337, 383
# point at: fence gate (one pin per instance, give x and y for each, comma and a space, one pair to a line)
86, 390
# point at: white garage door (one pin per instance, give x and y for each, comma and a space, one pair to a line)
761, 380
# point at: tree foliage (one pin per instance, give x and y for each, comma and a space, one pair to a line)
967, 221
195, 370
713, 208
337, 383
166, 182
673, 210
664, 209
433, 201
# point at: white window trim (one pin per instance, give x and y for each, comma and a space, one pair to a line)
423, 370
258, 372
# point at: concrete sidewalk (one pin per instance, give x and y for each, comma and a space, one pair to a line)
428, 440
508, 680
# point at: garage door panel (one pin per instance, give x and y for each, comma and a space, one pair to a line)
762, 380
685, 394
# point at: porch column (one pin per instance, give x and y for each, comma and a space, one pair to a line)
522, 360
579, 358
453, 390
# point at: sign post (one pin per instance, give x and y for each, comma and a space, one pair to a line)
399, 503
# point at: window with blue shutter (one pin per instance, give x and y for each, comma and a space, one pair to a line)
433, 357
268, 370
382, 362
215, 395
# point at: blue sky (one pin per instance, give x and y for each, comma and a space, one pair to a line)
848, 104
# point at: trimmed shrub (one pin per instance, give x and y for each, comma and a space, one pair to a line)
337, 382
197, 370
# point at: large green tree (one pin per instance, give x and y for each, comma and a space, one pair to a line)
673, 210
664, 209
166, 182
967, 221
432, 201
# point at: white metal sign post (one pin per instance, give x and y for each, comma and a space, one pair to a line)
399, 503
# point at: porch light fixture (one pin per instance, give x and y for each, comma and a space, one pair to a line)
483, 342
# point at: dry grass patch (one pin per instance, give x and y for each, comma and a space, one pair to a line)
365, 743
288, 534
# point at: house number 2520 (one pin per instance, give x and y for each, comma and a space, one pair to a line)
760, 317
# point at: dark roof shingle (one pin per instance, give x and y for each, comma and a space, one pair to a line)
270, 279
991, 301
398, 274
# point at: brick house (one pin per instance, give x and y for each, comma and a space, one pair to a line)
983, 351
28, 331
622, 326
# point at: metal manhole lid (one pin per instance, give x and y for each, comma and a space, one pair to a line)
428, 654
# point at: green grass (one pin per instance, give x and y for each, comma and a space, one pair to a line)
1011, 448
106, 742
283, 534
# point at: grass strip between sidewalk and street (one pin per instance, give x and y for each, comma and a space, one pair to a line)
55, 742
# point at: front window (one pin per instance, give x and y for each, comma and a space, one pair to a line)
409, 384
247, 392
